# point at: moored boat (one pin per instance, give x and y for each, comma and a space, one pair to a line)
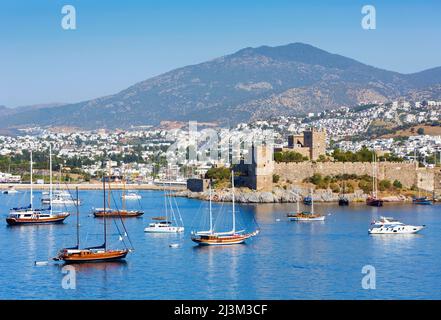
373, 200
30, 215
210, 237
388, 225
93, 254
131, 196
422, 201
172, 222
112, 213
343, 201
115, 213
10, 190
305, 215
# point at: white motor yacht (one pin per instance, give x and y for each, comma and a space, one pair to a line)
163, 227
388, 225
131, 196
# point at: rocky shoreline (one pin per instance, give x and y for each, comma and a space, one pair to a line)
279, 195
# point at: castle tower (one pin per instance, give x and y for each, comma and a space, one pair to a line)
262, 167
315, 140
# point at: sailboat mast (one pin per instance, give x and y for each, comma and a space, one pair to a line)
312, 202
78, 220
32, 187
104, 215
211, 213
298, 203
50, 177
234, 209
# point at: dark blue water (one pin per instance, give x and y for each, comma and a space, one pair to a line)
288, 260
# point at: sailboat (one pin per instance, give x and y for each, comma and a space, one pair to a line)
343, 199
92, 254
172, 222
109, 212
234, 236
423, 200
59, 197
304, 215
31, 215
373, 200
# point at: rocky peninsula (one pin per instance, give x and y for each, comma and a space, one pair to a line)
280, 195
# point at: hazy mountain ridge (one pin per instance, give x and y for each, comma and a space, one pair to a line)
251, 83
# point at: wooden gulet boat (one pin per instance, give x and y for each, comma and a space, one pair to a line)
92, 254
30, 215
210, 237
374, 200
116, 213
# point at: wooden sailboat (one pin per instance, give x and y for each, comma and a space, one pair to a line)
343, 199
373, 200
109, 212
305, 215
31, 215
92, 254
234, 236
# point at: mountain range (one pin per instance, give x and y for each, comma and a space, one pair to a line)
253, 83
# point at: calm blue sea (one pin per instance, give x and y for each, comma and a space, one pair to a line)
288, 260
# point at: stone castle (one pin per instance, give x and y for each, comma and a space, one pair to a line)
258, 175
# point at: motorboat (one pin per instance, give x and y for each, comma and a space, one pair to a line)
389, 225
163, 226
10, 190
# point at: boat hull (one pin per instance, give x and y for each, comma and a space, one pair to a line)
164, 230
396, 230
374, 202
83, 256
19, 221
117, 214
322, 218
213, 240
343, 202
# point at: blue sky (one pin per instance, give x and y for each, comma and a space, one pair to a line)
118, 43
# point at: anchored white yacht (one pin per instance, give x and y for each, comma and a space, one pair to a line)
131, 196
388, 225
163, 226
10, 190
172, 222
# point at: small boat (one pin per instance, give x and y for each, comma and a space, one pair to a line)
163, 226
307, 200
343, 201
374, 202
422, 200
305, 215
10, 190
131, 196
388, 225
172, 222
59, 196
30, 215
210, 237
92, 254
60, 200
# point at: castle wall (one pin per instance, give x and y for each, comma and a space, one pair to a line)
405, 172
